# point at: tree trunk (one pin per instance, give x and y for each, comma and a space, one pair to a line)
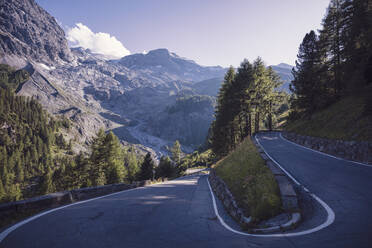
270, 122
257, 122
241, 127
270, 118
232, 136
248, 124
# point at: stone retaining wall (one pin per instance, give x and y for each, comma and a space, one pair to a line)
351, 150
223, 193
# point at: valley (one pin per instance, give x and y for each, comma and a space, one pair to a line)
130, 96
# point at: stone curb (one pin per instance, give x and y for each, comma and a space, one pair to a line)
287, 193
223, 193
295, 219
221, 190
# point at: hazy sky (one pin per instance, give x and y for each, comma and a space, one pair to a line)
211, 32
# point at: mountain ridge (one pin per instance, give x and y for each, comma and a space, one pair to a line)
130, 96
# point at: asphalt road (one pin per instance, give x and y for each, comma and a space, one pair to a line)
180, 213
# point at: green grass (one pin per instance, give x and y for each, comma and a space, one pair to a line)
250, 181
343, 120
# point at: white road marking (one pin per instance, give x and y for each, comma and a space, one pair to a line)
6, 232
328, 222
325, 154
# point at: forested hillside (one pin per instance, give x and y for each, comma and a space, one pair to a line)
30, 139
35, 157
335, 66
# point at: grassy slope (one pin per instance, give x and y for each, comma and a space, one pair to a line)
250, 181
344, 120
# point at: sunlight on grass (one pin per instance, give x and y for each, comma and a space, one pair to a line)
344, 120
250, 181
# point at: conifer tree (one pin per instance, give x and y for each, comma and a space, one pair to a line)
115, 170
2, 191
97, 160
165, 168
176, 152
132, 166
306, 85
147, 167
47, 185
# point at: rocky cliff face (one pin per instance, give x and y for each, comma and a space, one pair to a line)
28, 31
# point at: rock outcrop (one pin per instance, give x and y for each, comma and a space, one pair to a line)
28, 31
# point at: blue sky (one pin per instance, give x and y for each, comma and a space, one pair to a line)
211, 32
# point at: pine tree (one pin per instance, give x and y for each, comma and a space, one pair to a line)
2, 191
306, 86
115, 170
97, 160
13, 192
222, 134
147, 168
176, 152
19, 171
331, 38
165, 168
132, 166
47, 185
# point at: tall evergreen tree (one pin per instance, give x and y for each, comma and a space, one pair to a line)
306, 83
115, 170
132, 166
176, 152
97, 160
147, 168
165, 168
47, 185
2, 191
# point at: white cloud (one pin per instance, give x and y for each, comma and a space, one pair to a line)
102, 43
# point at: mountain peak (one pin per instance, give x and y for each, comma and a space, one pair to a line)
159, 52
285, 66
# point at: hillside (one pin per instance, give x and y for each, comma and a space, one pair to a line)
348, 119
31, 141
250, 181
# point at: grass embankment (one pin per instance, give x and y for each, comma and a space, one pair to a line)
347, 119
250, 181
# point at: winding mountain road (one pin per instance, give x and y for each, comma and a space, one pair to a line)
181, 213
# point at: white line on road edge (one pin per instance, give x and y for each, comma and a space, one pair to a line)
323, 153
329, 221
6, 232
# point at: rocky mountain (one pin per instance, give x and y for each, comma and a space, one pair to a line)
170, 66
285, 73
28, 31
146, 99
149, 100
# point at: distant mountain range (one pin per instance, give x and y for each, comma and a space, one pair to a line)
285, 73
146, 99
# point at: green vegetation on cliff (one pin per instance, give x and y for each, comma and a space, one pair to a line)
250, 181
30, 140
347, 119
